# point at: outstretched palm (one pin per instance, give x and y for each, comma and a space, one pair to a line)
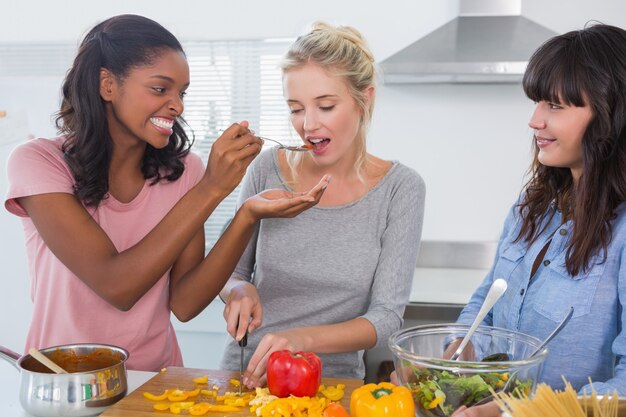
282, 203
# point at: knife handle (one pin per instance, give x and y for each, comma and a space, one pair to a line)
244, 340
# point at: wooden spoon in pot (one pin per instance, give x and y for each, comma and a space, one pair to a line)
46, 361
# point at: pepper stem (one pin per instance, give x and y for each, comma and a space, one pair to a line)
381, 392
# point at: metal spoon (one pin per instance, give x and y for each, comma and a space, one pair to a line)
502, 357
543, 344
554, 332
302, 148
495, 292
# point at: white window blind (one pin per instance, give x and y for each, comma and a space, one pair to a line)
233, 81
230, 81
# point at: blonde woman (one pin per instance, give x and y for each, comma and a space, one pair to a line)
334, 280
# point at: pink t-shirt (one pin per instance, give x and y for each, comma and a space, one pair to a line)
65, 309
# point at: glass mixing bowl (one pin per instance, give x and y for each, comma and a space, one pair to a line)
439, 386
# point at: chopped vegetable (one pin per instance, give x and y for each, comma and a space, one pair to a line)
335, 410
208, 393
177, 404
442, 392
161, 406
267, 405
155, 397
201, 380
333, 393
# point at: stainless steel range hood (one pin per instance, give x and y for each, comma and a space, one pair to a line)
489, 42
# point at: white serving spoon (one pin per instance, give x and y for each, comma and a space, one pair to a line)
46, 361
495, 292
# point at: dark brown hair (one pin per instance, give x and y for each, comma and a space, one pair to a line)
584, 67
118, 44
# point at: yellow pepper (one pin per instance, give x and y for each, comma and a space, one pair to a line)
193, 393
161, 406
333, 393
199, 409
177, 395
293, 407
176, 407
157, 397
384, 399
201, 380
434, 403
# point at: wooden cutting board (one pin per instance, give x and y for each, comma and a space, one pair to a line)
134, 404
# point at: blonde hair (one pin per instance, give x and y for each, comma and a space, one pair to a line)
341, 50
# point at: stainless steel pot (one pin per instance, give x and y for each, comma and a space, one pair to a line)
96, 379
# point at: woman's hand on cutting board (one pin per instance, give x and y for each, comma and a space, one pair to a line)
293, 340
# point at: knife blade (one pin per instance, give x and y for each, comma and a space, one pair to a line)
242, 344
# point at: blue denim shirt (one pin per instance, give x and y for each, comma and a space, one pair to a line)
592, 345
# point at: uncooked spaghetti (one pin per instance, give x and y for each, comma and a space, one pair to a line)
547, 402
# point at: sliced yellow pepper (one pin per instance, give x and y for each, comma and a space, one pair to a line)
237, 401
434, 403
199, 409
193, 393
157, 397
234, 382
333, 393
177, 395
176, 407
201, 380
208, 393
384, 399
161, 406
294, 407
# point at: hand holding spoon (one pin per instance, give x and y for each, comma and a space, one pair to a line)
495, 292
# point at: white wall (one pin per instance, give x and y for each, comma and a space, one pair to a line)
470, 142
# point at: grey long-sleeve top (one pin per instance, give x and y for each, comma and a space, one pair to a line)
333, 264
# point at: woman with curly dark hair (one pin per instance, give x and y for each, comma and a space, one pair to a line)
564, 241
113, 210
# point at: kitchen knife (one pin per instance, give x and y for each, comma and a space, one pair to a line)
242, 344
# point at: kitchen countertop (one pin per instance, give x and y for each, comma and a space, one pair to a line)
10, 388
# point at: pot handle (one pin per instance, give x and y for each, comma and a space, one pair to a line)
9, 356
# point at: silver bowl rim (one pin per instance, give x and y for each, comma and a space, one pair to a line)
119, 349
451, 328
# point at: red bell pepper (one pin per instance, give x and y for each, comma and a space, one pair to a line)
298, 373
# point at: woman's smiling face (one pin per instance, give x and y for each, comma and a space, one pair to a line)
323, 112
559, 130
145, 104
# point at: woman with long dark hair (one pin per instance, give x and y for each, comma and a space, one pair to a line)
564, 241
113, 210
